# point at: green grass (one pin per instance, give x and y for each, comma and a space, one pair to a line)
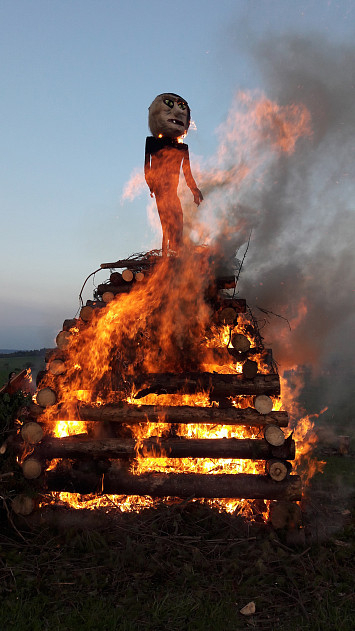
183, 567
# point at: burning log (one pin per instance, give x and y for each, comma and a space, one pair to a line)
220, 385
227, 315
132, 263
57, 367
70, 324
81, 445
240, 342
238, 304
184, 414
63, 339
86, 313
118, 482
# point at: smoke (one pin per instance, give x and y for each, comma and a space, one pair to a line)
294, 190
283, 172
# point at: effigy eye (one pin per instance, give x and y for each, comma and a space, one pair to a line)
169, 103
182, 105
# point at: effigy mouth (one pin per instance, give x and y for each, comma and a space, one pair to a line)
175, 121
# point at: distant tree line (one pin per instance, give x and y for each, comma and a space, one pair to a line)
38, 353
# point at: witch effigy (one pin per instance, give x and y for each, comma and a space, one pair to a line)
165, 154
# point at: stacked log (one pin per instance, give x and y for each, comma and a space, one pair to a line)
93, 463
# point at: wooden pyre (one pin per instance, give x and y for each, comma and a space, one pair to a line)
99, 463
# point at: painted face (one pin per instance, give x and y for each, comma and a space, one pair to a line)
169, 115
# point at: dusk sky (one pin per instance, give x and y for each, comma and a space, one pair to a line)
77, 78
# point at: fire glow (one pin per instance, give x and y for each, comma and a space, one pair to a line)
166, 325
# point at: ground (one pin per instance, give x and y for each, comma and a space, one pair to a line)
184, 567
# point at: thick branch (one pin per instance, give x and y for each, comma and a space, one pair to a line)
220, 385
78, 446
118, 481
184, 414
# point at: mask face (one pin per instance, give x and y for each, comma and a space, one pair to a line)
169, 115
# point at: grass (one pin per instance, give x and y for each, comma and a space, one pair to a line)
183, 567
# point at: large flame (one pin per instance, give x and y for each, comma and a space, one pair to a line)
166, 324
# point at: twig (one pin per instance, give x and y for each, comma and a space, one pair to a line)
85, 281
10, 518
242, 262
267, 312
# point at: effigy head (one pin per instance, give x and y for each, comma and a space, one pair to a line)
169, 115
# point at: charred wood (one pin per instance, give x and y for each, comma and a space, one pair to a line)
156, 447
132, 264
183, 414
219, 385
118, 481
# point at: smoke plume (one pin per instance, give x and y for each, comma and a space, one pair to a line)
295, 194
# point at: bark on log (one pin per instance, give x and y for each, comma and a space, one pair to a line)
184, 485
70, 324
116, 279
132, 264
220, 385
227, 315
250, 369
239, 304
185, 414
155, 447
54, 353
